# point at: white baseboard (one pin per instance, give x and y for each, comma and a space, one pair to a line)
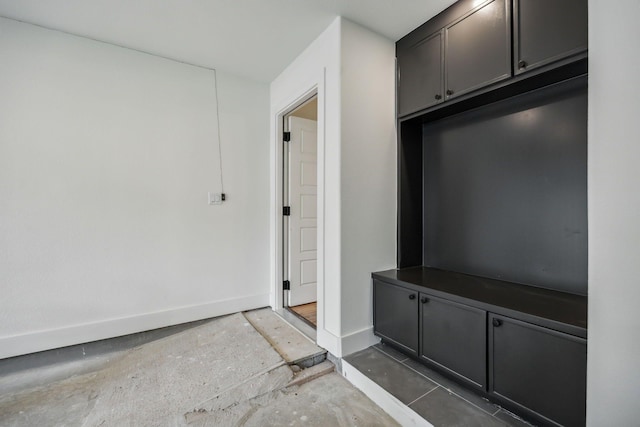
405, 416
328, 341
55, 338
358, 340
347, 344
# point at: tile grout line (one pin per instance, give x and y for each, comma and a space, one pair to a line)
415, 400
452, 392
419, 373
449, 390
437, 384
387, 354
512, 415
471, 403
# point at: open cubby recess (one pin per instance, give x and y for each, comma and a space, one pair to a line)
491, 284
500, 191
504, 191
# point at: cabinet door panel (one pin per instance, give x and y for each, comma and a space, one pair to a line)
548, 30
454, 337
538, 368
395, 315
478, 49
420, 75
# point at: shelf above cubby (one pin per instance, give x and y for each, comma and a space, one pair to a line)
561, 311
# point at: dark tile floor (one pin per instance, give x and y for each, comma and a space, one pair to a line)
437, 399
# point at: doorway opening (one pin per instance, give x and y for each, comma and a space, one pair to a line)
300, 230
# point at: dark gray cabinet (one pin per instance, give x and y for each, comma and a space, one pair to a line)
490, 61
420, 83
546, 31
478, 49
453, 336
538, 369
472, 46
395, 315
520, 346
471, 52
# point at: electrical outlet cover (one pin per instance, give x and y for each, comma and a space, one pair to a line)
215, 198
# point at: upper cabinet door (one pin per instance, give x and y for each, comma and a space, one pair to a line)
548, 30
420, 75
478, 48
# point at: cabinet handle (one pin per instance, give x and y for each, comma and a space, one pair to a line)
412, 296
522, 64
449, 92
497, 322
438, 97
424, 300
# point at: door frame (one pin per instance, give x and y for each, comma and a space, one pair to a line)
277, 196
286, 187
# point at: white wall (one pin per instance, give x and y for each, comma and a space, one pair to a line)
368, 176
613, 374
317, 68
353, 71
106, 158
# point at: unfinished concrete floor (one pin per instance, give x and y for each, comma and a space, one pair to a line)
219, 373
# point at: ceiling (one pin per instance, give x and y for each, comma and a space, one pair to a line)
252, 38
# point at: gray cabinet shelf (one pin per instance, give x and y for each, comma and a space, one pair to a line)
561, 311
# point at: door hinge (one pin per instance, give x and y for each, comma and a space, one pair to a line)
286, 285
286, 210
286, 136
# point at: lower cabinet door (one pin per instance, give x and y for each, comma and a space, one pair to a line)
395, 315
538, 369
453, 336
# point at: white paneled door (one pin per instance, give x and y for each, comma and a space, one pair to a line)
303, 202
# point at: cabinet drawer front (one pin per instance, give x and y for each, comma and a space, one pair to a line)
395, 315
538, 368
454, 337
